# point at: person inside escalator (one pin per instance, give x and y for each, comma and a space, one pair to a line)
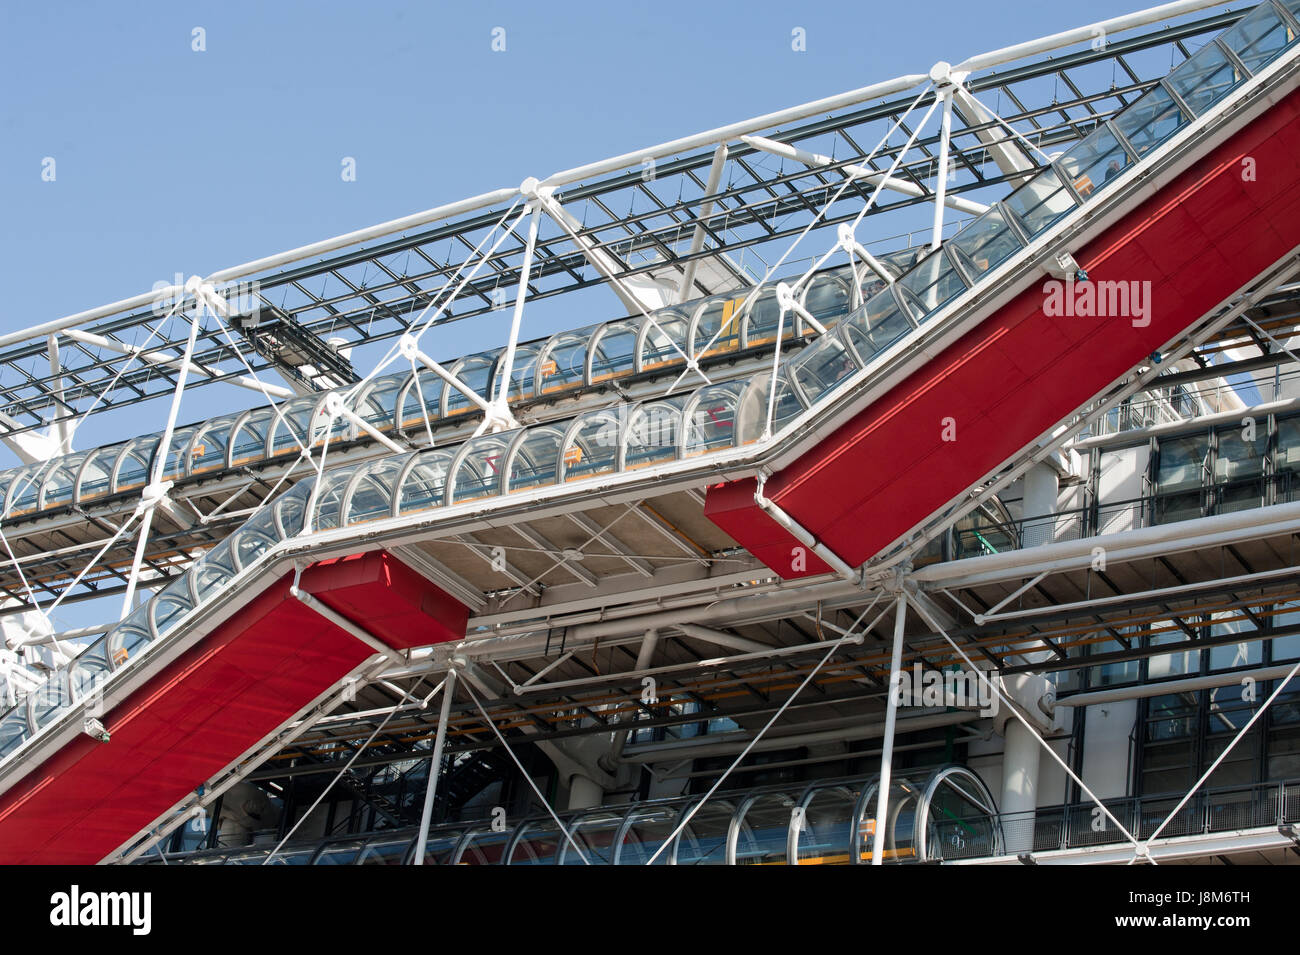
1112, 170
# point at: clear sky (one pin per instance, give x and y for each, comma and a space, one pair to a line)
173, 160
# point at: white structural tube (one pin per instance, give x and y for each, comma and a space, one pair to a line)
1021, 756
887, 747
435, 765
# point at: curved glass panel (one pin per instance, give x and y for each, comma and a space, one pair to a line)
654, 433
425, 485
613, 351
717, 326
931, 285
387, 851
523, 374
476, 373
24, 493
752, 416
760, 324
48, 699
484, 847
289, 431
644, 835
828, 296
1095, 161
130, 636
663, 339
764, 825
711, 417
826, 830
562, 362
440, 848
255, 537
371, 499
591, 445
594, 833
214, 571
423, 396
210, 444
248, 444
539, 844
97, 472
478, 473
13, 731
536, 460
704, 840
329, 500
961, 822
291, 509
378, 405
177, 463
91, 668
57, 488
133, 465
340, 853
170, 605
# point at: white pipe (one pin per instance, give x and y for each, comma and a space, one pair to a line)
501, 409
346, 625
891, 717
706, 209
1189, 685
800, 533
721, 639
435, 766
941, 179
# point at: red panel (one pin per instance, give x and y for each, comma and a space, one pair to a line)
732, 507
1196, 241
217, 700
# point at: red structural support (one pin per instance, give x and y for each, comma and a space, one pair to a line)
221, 697
1223, 221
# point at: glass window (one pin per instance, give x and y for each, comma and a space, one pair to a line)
378, 404
986, 243
475, 373
822, 366
291, 509
876, 325
250, 439
255, 537
212, 572
539, 844
13, 730
482, 462
591, 446
523, 371
704, 840
130, 636
613, 352
208, 452
1180, 476
536, 460
752, 416
1205, 78
484, 847
644, 835
711, 417
329, 500
372, 497
828, 297
25, 489
56, 490
425, 484
594, 833
717, 326
826, 831
1239, 469
133, 465
1229, 656
1150, 121
760, 324
97, 471
663, 338
170, 605
563, 362
654, 432
763, 830
423, 395
1259, 37
931, 285
1180, 662
1040, 202
1095, 161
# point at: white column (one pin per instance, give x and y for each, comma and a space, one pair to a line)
1020, 760
1041, 488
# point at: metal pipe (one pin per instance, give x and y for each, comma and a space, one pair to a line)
435, 766
801, 534
723, 639
343, 623
706, 210
891, 717
1189, 685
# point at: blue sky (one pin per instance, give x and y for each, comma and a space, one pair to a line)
172, 160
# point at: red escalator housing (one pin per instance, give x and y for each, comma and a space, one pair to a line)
1197, 240
214, 703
